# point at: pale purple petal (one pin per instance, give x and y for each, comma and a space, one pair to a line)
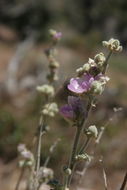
80, 85
26, 154
75, 85
67, 111
74, 109
58, 35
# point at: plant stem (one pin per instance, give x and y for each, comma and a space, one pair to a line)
87, 163
124, 182
74, 151
38, 153
41, 132
84, 146
79, 129
51, 150
20, 178
106, 62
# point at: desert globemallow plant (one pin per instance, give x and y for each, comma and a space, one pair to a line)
89, 82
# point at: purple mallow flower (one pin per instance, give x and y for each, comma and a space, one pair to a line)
73, 109
57, 35
26, 154
80, 85
83, 84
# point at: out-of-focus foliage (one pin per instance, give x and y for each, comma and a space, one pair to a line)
109, 17
10, 134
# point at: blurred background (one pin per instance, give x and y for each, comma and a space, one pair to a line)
24, 36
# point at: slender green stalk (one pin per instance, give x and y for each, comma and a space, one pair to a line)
73, 154
79, 129
41, 133
87, 163
65, 182
84, 146
106, 62
38, 152
51, 150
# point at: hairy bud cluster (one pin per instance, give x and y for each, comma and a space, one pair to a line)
86, 67
27, 156
46, 90
99, 59
50, 109
82, 157
113, 45
45, 174
97, 87
50, 53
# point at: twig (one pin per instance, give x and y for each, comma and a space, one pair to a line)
20, 178
71, 164
41, 133
104, 175
106, 62
51, 150
124, 182
35, 183
87, 163
84, 146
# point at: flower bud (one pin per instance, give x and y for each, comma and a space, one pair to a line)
91, 62
67, 170
113, 45
29, 163
82, 157
54, 64
50, 109
21, 163
56, 35
91, 131
86, 67
104, 79
97, 87
99, 59
46, 90
80, 71
45, 174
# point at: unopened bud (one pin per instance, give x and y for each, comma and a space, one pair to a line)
100, 59
92, 131
50, 109
56, 35
67, 170
82, 157
97, 87
46, 89
113, 45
